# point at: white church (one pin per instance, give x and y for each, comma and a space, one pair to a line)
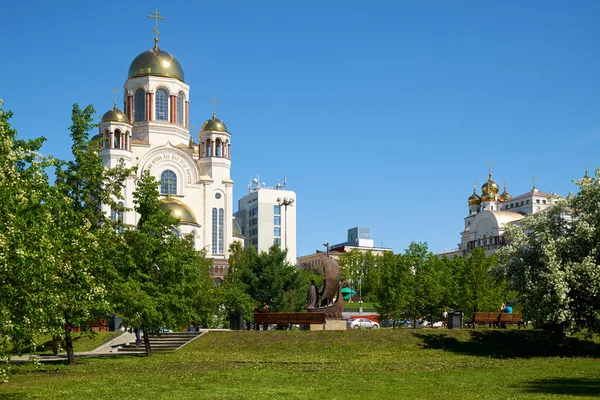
152, 133
490, 213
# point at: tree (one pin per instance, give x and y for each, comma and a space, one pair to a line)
394, 290
27, 250
83, 271
165, 282
553, 261
480, 289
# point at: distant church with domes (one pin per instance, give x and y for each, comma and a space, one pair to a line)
152, 133
490, 213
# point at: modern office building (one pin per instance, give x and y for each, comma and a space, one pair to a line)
267, 215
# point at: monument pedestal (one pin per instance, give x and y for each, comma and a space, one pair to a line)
330, 325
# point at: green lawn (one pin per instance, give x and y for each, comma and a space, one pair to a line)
383, 363
367, 307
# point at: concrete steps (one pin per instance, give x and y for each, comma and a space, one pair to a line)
166, 341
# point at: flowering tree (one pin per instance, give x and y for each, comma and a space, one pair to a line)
27, 248
553, 261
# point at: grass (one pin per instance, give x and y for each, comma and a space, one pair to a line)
353, 307
384, 363
82, 341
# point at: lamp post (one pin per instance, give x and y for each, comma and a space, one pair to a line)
285, 203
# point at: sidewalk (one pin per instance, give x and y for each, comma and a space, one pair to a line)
108, 349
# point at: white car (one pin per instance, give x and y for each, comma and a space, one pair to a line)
364, 322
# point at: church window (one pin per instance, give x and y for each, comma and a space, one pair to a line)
277, 241
217, 196
168, 182
218, 148
162, 105
208, 149
215, 233
277, 231
277, 210
277, 220
180, 108
543, 201
117, 139
175, 233
537, 201
139, 100
221, 220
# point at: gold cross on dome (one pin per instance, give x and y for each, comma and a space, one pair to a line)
475, 185
489, 164
114, 90
156, 16
214, 101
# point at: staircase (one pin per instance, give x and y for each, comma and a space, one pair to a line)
163, 342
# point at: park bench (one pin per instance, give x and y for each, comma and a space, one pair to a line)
288, 318
511, 319
484, 318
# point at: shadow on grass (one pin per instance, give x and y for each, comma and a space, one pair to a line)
564, 386
512, 344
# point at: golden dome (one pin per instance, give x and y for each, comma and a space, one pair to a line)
178, 210
156, 62
214, 124
115, 115
487, 196
474, 198
489, 186
504, 197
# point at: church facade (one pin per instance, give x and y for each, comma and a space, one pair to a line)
490, 213
152, 134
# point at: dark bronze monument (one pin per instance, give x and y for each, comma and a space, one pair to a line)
330, 301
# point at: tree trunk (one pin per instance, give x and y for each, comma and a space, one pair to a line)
147, 341
69, 344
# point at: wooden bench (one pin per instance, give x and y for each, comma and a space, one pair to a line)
484, 318
288, 319
511, 319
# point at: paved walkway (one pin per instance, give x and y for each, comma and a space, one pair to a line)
108, 349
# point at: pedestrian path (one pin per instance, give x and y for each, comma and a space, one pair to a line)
115, 347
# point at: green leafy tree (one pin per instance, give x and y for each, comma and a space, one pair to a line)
83, 269
427, 285
480, 289
165, 281
233, 293
394, 290
553, 261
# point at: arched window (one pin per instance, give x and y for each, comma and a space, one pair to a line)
168, 182
180, 109
139, 102
208, 148
214, 231
162, 105
106, 139
218, 151
117, 139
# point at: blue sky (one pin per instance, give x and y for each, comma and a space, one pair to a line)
380, 114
